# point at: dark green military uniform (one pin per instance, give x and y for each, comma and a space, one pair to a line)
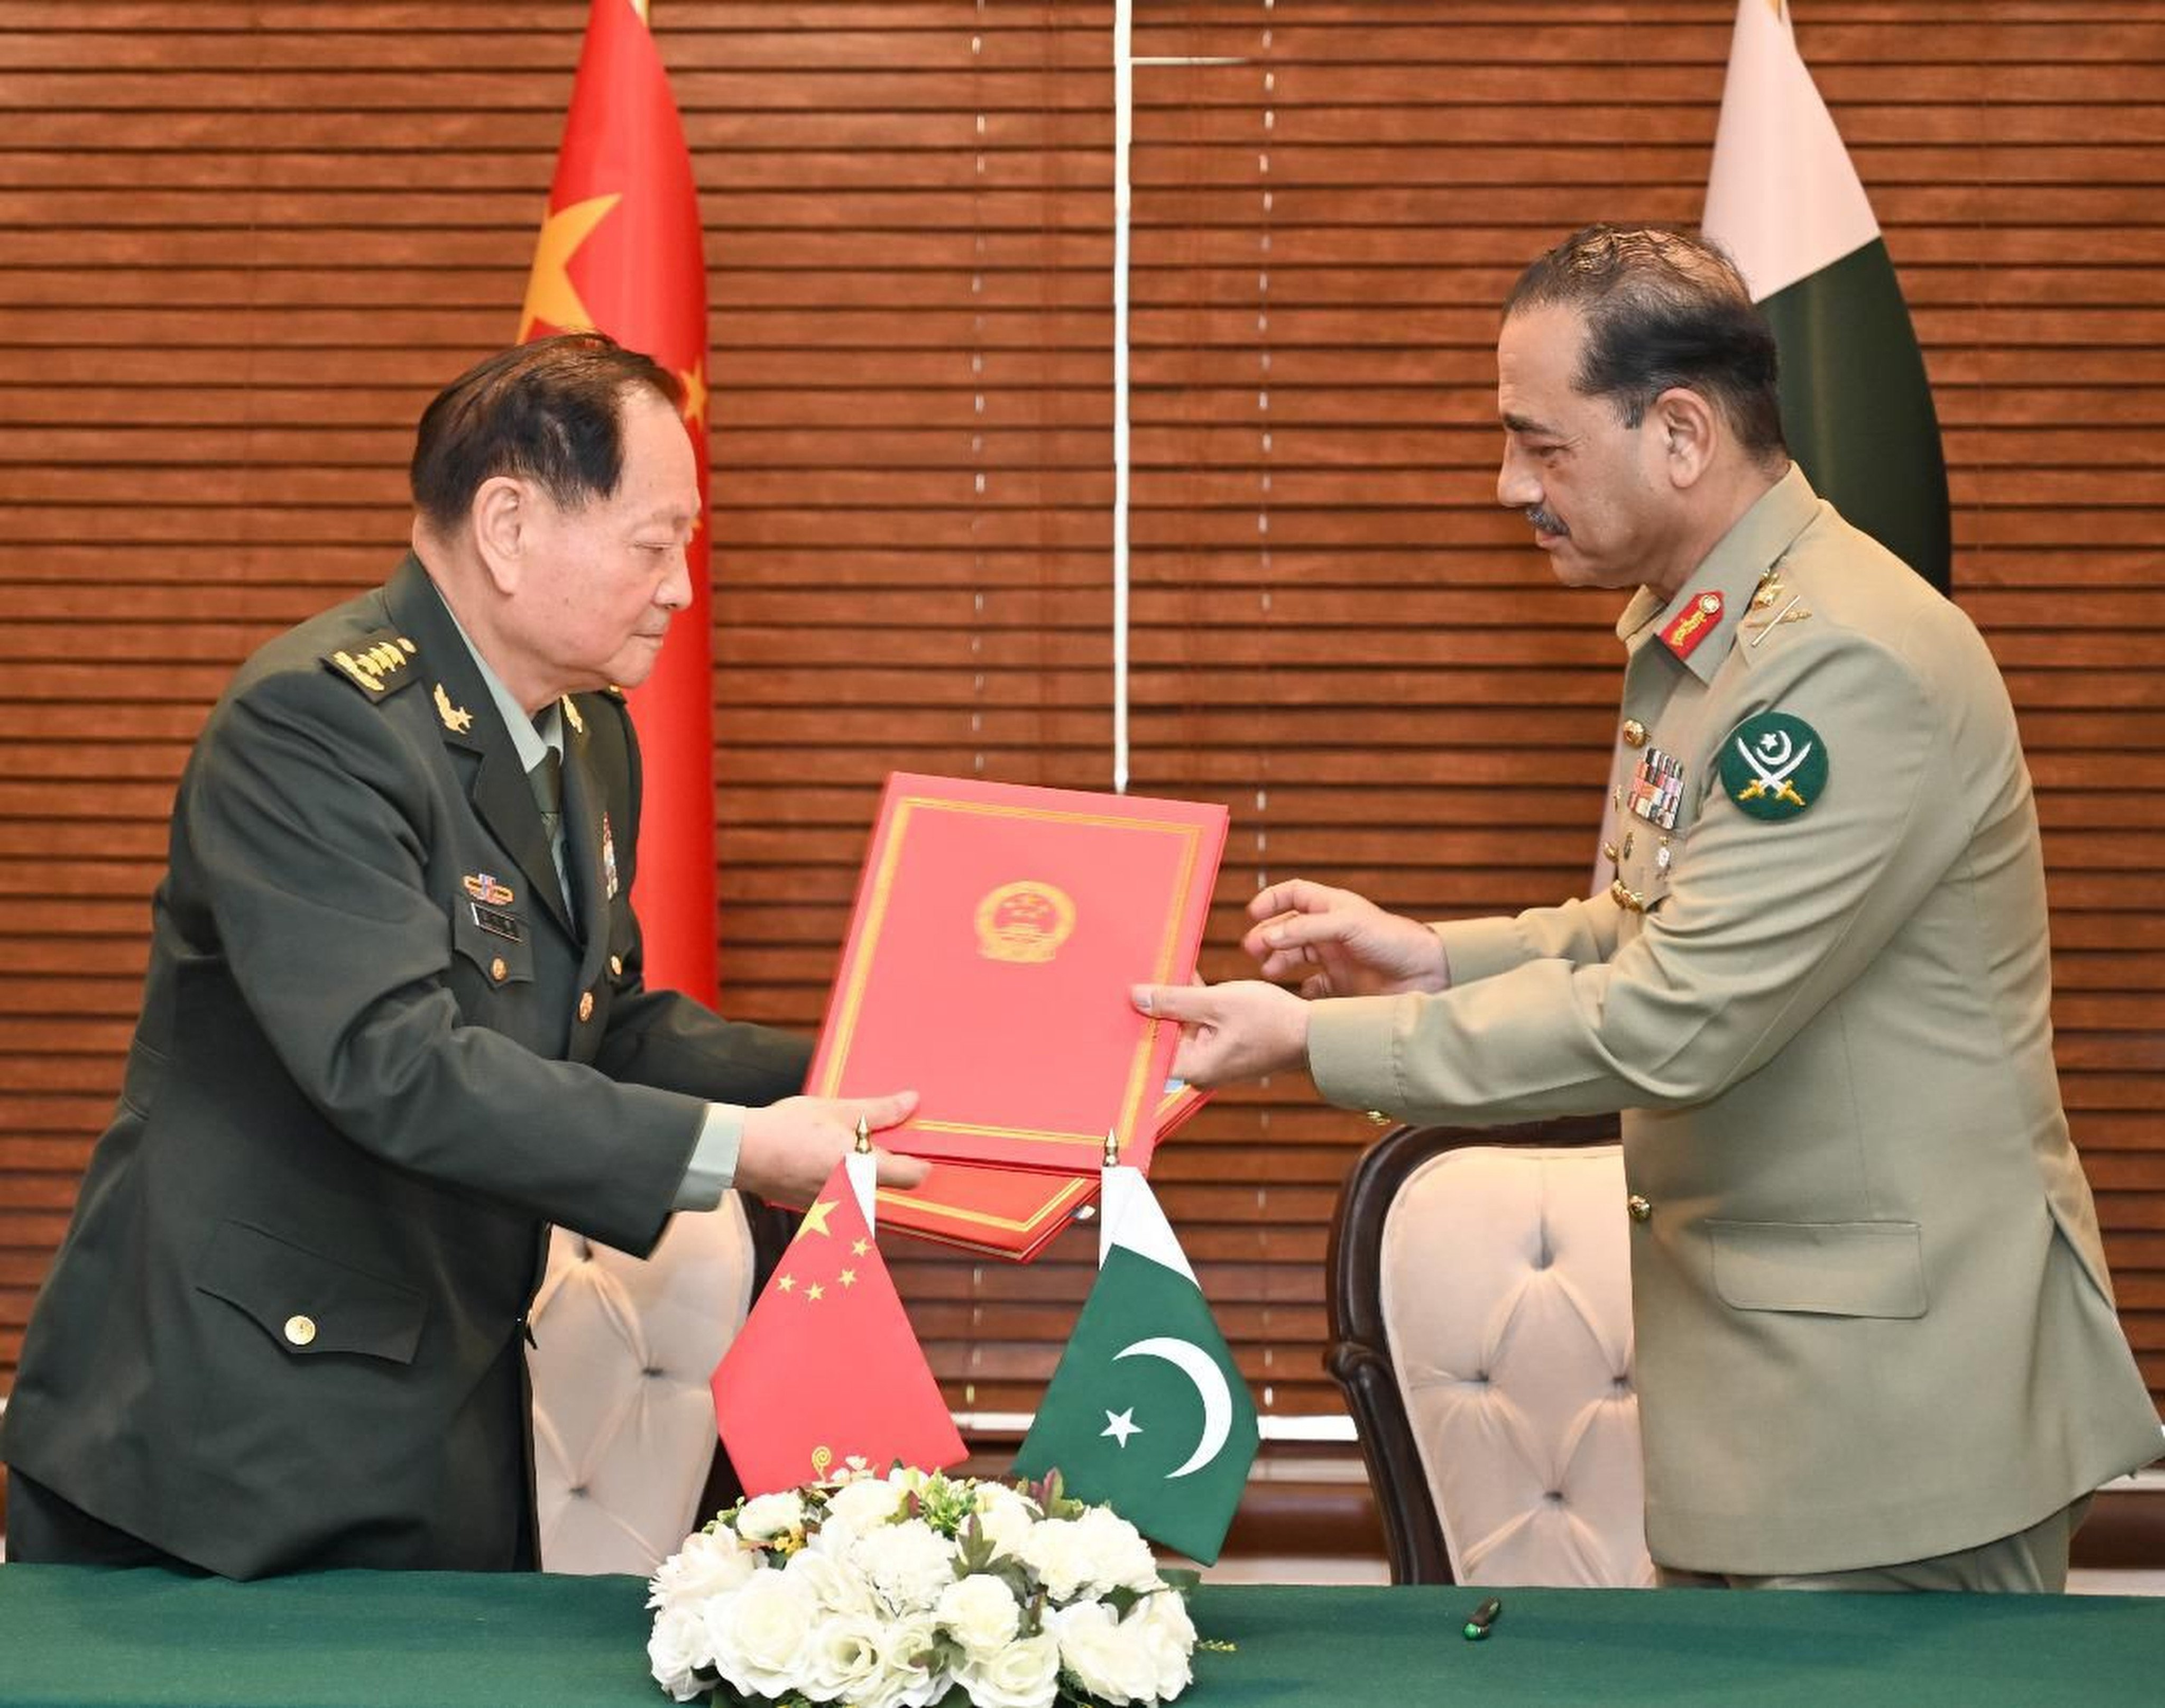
379, 1051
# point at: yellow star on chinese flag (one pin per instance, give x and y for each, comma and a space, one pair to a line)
695, 392
815, 1219
858, 1247
815, 1292
849, 1278
549, 295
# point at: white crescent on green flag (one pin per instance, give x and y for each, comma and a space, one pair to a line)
1785, 202
1147, 1411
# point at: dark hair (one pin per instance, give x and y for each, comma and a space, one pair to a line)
551, 411
1663, 310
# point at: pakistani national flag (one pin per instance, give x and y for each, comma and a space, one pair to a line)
1785, 202
1147, 1412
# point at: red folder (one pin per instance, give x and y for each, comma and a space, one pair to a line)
997, 928
1011, 1212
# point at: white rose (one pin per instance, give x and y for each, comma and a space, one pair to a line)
836, 1537
1021, 1675
1108, 1663
1005, 1518
842, 1658
677, 1650
1167, 1635
979, 1613
706, 1566
832, 1582
864, 1504
1119, 1558
759, 1633
909, 1676
765, 1517
908, 1564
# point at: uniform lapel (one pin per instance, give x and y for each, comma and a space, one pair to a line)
496, 782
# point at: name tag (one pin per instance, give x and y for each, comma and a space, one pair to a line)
498, 924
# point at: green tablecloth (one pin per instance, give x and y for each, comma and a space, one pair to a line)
369, 1639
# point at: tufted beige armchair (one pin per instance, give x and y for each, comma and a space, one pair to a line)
625, 1463
1481, 1317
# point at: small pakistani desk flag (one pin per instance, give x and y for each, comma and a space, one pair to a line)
1147, 1411
826, 1367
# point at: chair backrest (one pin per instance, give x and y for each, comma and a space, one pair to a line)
1481, 1312
624, 1419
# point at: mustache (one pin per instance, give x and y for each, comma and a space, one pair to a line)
1546, 521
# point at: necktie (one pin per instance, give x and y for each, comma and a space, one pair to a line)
547, 779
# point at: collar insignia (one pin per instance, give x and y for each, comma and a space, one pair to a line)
456, 719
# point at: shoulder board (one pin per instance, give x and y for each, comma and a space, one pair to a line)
377, 664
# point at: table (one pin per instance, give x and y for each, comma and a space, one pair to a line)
71, 1635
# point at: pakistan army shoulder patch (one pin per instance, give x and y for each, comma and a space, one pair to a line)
1774, 766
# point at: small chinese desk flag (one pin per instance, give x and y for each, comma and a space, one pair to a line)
826, 1367
1147, 1411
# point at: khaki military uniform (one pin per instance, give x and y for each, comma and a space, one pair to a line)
1874, 1318
381, 1049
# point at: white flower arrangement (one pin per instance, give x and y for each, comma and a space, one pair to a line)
910, 1590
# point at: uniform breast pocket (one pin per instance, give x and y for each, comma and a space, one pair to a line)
496, 943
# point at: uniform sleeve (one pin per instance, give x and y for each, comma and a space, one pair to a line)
305, 828
1765, 921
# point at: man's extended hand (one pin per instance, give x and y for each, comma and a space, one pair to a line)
1241, 1030
1336, 943
789, 1148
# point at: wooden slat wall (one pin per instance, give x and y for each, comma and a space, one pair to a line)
239, 245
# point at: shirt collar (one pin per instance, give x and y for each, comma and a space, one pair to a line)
1698, 623
532, 737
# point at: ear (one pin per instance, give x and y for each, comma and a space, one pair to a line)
1689, 428
502, 514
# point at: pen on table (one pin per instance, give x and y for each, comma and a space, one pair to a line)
1482, 1617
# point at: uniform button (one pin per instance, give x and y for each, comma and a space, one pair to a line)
498, 970
1634, 733
586, 1006
1640, 1209
616, 966
1608, 851
300, 1330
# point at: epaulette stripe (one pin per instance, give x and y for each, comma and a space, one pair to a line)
377, 664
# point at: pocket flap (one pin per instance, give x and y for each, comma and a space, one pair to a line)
496, 941
307, 1303
1831, 1269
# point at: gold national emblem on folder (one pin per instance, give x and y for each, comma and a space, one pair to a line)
1026, 922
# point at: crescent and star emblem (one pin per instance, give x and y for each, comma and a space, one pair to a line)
1200, 1368
1774, 759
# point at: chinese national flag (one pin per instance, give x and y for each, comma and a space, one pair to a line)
620, 252
826, 1367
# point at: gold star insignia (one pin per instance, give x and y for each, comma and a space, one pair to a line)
788, 1284
815, 1292
858, 1247
550, 296
815, 1219
849, 1278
